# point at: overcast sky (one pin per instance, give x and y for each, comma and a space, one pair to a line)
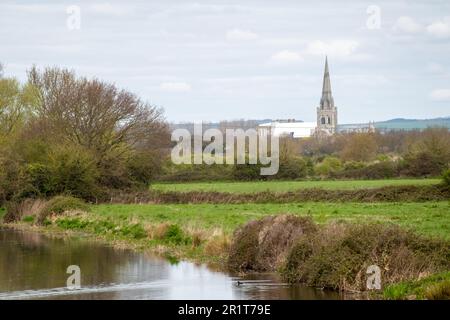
214, 60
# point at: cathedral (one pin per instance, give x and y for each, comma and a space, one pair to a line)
327, 111
326, 123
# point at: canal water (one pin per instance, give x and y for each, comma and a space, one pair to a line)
33, 266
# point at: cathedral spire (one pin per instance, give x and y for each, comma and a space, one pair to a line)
326, 102
327, 111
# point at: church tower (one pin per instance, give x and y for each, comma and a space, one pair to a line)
326, 112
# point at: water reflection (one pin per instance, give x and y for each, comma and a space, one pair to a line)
33, 266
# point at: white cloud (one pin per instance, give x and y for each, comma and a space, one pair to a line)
440, 95
435, 68
407, 24
35, 8
287, 56
340, 48
440, 29
240, 35
109, 9
175, 87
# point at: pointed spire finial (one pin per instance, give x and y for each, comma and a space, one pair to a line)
327, 98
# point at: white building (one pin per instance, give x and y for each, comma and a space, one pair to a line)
326, 117
288, 128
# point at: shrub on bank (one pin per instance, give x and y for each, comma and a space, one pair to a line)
261, 245
338, 255
58, 205
171, 233
17, 210
335, 256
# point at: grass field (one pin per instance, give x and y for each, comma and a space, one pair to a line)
284, 186
430, 218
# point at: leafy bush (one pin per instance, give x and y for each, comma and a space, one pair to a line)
72, 223
380, 170
292, 168
203, 172
135, 231
353, 165
424, 164
175, 235
59, 204
247, 172
328, 166
446, 177
28, 219
40, 177
143, 166
73, 171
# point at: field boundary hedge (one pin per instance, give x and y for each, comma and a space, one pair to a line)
383, 194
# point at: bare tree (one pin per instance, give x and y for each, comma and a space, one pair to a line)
93, 113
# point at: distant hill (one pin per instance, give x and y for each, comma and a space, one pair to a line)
393, 124
411, 124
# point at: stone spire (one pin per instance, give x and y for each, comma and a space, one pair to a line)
327, 101
327, 111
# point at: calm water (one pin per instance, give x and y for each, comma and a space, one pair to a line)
33, 266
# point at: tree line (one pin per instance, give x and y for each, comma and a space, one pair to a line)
416, 153
61, 133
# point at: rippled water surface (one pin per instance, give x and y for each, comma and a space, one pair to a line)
33, 266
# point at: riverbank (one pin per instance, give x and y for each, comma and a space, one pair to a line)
202, 233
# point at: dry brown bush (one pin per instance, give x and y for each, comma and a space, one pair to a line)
337, 256
262, 245
15, 211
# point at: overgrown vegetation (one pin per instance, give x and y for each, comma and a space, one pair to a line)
338, 255
60, 204
335, 255
446, 178
63, 134
261, 245
285, 185
39, 209
435, 287
392, 194
342, 156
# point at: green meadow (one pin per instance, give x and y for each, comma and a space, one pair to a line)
429, 218
284, 186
